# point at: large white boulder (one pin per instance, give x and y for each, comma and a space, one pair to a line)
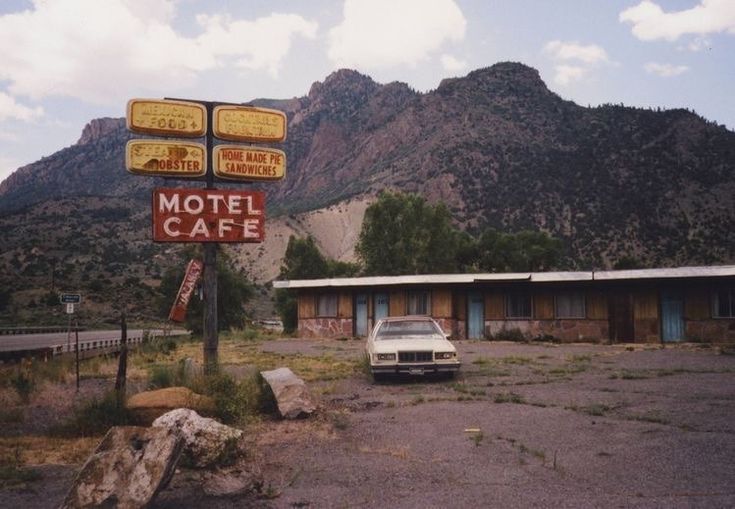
206, 441
127, 470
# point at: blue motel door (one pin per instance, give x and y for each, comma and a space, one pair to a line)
361, 315
672, 317
475, 316
381, 306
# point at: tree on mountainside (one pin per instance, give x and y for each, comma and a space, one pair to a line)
525, 251
303, 260
402, 234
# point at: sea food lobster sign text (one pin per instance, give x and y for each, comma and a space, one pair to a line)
208, 215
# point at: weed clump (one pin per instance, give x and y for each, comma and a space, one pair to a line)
94, 417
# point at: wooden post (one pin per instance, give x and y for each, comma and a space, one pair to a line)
76, 333
122, 365
211, 338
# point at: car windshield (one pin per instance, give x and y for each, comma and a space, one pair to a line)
412, 328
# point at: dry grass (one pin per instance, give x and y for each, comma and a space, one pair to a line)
41, 450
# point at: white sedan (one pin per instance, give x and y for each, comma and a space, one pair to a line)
413, 345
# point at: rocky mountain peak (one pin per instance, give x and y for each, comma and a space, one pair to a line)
344, 82
99, 128
500, 80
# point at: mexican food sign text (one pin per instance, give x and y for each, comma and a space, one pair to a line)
165, 117
208, 215
234, 162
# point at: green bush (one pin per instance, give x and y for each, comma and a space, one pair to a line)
94, 417
512, 334
161, 376
235, 400
23, 382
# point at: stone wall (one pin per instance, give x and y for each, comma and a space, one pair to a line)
567, 330
713, 331
325, 327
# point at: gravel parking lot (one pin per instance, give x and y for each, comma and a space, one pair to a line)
523, 425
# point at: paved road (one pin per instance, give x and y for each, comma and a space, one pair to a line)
87, 339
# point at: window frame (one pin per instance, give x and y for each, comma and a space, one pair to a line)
322, 297
570, 293
518, 294
427, 302
715, 301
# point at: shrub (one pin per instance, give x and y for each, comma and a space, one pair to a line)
23, 383
512, 334
94, 417
235, 401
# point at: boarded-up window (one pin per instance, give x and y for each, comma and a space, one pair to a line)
326, 304
570, 305
723, 303
419, 302
518, 305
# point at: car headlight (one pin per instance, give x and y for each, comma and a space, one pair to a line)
386, 356
445, 355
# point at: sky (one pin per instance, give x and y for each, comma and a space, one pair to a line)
65, 62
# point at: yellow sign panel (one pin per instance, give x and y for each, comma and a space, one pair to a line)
166, 117
235, 162
245, 123
166, 158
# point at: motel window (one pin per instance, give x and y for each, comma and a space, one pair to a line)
569, 305
518, 305
326, 304
723, 303
419, 303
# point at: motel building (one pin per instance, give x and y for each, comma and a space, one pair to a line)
637, 306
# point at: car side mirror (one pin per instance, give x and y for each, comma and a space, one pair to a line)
448, 337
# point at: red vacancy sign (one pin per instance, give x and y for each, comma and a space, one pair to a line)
208, 215
193, 272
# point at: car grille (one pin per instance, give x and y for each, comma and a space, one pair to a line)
415, 356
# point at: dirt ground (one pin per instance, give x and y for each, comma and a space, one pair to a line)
534, 425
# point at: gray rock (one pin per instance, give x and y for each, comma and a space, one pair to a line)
191, 368
206, 441
236, 481
292, 396
127, 470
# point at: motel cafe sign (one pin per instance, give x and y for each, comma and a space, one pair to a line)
208, 215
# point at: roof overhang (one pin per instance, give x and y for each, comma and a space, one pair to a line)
531, 277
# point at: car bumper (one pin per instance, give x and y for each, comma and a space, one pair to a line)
415, 369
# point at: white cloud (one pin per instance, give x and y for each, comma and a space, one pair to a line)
698, 44
11, 109
574, 61
244, 39
650, 22
384, 33
566, 74
451, 63
101, 51
589, 54
665, 70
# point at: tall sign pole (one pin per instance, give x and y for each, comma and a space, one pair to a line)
209, 216
209, 286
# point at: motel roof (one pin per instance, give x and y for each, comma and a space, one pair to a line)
533, 277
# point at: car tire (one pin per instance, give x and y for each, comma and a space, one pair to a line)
379, 377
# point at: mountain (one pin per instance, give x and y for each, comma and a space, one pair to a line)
496, 146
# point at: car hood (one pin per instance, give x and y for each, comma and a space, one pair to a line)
395, 345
